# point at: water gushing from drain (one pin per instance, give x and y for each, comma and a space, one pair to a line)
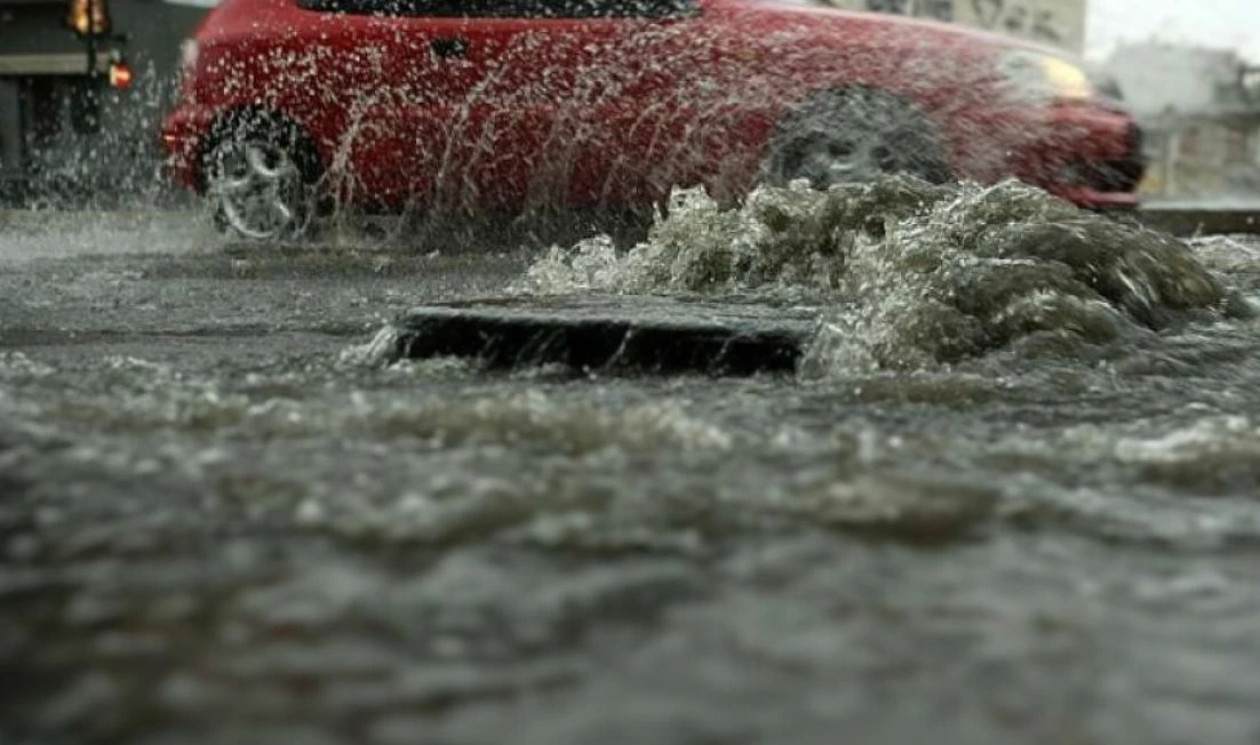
911, 275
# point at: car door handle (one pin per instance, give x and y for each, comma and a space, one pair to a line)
449, 46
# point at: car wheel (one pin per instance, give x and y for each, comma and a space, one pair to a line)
260, 178
855, 135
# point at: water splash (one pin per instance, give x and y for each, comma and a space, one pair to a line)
1231, 254
910, 275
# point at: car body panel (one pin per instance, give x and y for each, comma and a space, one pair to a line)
460, 113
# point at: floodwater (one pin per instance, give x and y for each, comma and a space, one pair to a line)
1011, 496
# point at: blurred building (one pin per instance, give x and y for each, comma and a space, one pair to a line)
82, 84
1058, 23
1200, 108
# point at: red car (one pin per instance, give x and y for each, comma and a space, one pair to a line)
514, 104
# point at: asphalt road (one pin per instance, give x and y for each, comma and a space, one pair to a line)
220, 524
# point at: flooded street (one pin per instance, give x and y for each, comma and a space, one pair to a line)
1010, 496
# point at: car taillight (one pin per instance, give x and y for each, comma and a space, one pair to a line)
119, 75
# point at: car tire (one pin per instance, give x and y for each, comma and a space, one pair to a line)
260, 174
854, 135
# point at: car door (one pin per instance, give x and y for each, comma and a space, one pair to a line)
510, 84
564, 99
686, 109
380, 78
523, 103
667, 96
520, 87
445, 103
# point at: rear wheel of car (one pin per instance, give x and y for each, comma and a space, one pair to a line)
855, 135
260, 175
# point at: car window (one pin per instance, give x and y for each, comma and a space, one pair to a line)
510, 8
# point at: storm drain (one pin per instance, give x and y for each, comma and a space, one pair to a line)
610, 334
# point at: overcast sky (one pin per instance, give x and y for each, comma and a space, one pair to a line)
1219, 23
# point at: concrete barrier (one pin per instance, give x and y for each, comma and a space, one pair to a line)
1189, 219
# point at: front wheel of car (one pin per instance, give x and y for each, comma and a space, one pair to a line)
853, 136
260, 180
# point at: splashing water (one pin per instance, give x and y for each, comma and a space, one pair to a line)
910, 275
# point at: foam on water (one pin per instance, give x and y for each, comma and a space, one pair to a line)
910, 275
1227, 253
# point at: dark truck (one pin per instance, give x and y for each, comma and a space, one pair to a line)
82, 86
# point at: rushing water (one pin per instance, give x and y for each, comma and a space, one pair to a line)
1010, 498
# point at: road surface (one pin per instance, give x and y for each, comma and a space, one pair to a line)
223, 523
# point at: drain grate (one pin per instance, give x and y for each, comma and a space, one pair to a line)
611, 334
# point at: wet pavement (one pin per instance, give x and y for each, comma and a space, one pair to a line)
223, 521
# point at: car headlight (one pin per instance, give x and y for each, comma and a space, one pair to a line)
1035, 76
